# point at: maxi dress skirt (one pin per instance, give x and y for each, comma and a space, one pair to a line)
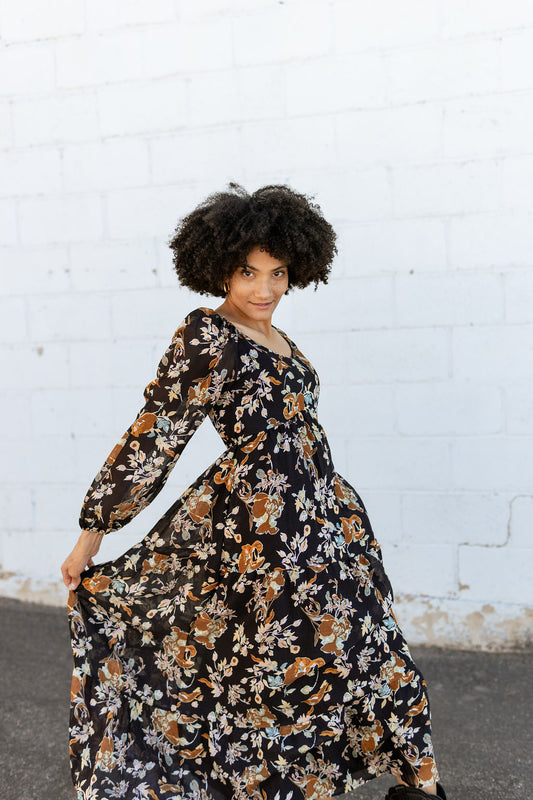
247, 646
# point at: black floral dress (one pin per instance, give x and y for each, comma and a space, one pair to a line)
246, 647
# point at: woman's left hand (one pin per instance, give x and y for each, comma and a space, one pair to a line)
81, 557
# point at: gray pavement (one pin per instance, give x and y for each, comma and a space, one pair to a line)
481, 707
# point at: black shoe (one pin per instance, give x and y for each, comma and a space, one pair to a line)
410, 793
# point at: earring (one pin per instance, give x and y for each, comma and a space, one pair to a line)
226, 287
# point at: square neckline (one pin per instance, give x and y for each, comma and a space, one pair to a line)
291, 344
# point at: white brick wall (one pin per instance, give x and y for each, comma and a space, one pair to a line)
411, 125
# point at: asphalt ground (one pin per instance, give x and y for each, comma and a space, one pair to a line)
482, 710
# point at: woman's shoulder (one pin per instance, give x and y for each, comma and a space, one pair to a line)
203, 325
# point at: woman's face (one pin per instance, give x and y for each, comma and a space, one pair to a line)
255, 290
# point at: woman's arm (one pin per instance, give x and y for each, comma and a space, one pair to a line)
190, 378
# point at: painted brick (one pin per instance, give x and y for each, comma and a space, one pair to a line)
101, 15
412, 464
34, 171
113, 266
495, 574
517, 173
449, 408
15, 407
8, 223
481, 241
110, 364
129, 109
69, 317
446, 188
519, 408
44, 268
261, 91
58, 118
148, 211
99, 59
390, 135
64, 19
105, 165
213, 152
26, 69
358, 410
381, 26
359, 304
45, 365
427, 73
493, 353
187, 47
13, 322
6, 133
516, 60
57, 509
60, 218
476, 127
16, 507
269, 145
397, 355
356, 194
521, 529
480, 17
311, 21
148, 314
518, 288
425, 570
395, 246
495, 463
330, 85
449, 299
455, 518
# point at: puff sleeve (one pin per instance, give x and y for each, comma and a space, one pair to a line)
190, 378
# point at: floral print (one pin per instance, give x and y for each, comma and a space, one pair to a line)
247, 646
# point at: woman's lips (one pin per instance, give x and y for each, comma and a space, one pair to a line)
262, 305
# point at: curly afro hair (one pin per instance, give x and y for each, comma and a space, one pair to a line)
211, 242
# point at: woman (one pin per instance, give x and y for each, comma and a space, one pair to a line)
246, 648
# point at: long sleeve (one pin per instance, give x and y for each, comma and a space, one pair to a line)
190, 378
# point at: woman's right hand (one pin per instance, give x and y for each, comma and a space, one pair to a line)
81, 557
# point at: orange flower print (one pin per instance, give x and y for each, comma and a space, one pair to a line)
317, 788
96, 583
260, 717
111, 673
249, 558
371, 737
252, 777
427, 769
105, 758
265, 509
143, 424
393, 673
166, 722
274, 582
199, 502
352, 529
301, 666
177, 648
207, 629
226, 473
293, 404
346, 496
333, 631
